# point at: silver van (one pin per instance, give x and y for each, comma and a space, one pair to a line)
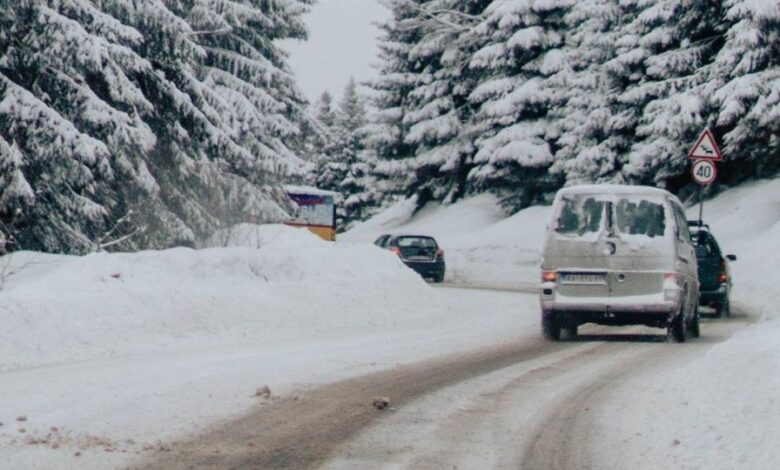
618, 255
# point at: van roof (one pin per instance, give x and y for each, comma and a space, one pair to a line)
614, 189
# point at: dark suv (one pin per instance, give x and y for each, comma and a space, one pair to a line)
419, 252
714, 273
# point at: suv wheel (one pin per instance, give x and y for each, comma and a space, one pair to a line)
551, 329
724, 308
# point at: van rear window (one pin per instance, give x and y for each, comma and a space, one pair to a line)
640, 217
580, 215
583, 214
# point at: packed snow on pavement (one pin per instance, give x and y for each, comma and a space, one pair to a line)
106, 356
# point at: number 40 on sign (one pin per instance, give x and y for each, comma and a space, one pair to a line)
704, 171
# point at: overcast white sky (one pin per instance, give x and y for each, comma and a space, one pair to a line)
342, 44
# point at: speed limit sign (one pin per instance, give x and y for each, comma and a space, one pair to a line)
704, 172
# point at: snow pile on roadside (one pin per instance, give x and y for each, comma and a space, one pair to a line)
483, 247
61, 308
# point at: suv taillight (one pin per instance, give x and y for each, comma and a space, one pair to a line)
439, 252
395, 250
724, 275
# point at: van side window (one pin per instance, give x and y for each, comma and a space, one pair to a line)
682, 223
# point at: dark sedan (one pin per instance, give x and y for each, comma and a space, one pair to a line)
419, 252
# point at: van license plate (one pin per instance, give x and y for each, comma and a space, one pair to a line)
584, 278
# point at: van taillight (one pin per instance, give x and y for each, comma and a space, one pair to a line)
439, 252
675, 278
549, 276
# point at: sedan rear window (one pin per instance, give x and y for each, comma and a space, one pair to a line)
416, 242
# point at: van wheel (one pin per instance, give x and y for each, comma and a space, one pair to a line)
693, 327
676, 329
551, 329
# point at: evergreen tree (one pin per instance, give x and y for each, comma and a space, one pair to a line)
438, 105
393, 157
744, 86
350, 150
151, 118
671, 43
324, 108
342, 169
518, 41
587, 138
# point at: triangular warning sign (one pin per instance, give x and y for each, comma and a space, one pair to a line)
706, 148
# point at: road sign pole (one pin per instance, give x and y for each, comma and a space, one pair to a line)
701, 205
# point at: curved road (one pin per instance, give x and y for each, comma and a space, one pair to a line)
528, 404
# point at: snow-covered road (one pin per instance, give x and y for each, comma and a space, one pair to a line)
100, 413
527, 403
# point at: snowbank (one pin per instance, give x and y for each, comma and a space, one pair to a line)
59, 308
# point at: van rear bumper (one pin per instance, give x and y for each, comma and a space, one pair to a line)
657, 314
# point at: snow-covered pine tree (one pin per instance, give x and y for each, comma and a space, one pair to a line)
350, 152
243, 87
587, 145
110, 110
69, 114
518, 41
328, 173
393, 157
340, 167
744, 87
438, 104
660, 62
324, 110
